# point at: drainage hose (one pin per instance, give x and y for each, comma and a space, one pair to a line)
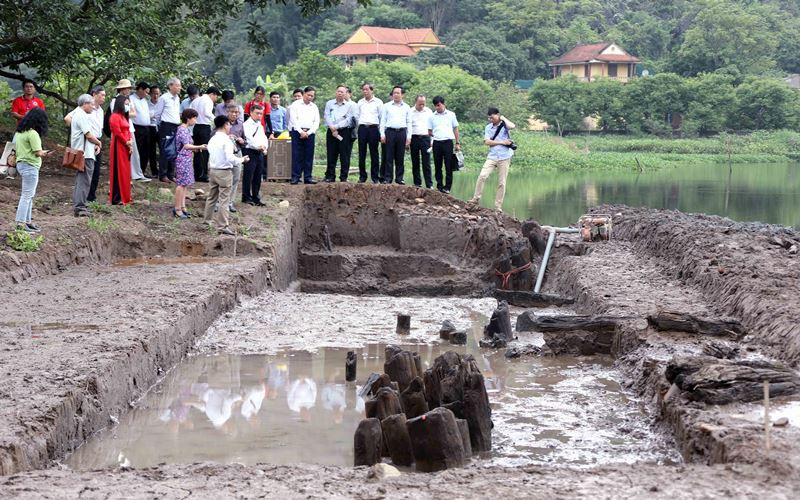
550, 240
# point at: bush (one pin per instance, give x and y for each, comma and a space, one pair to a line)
22, 241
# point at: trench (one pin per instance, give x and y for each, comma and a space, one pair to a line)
265, 383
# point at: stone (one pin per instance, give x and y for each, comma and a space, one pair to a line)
350, 365
458, 337
386, 402
403, 324
500, 323
463, 429
720, 350
793, 249
401, 366
781, 422
526, 350
413, 399
199, 193
397, 440
436, 441
165, 191
382, 471
578, 342
284, 204
368, 442
493, 343
446, 330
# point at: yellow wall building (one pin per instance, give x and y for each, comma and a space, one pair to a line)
596, 60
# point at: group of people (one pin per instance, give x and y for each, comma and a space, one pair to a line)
200, 139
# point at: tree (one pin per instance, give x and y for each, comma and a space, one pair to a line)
652, 102
561, 102
465, 94
765, 103
605, 100
725, 33
711, 101
312, 68
102, 41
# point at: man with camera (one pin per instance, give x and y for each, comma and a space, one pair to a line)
501, 149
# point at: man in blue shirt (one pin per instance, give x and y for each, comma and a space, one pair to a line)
339, 116
278, 115
443, 129
501, 149
395, 128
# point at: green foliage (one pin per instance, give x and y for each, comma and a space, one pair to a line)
100, 224
710, 95
561, 102
465, 94
312, 68
606, 100
99, 208
654, 100
22, 241
762, 103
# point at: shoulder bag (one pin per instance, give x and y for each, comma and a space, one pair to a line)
74, 159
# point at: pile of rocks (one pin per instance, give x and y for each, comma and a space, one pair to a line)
435, 419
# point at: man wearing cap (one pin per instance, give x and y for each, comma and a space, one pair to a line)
26, 102
204, 105
141, 124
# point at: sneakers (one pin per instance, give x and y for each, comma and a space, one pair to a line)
82, 212
227, 231
28, 228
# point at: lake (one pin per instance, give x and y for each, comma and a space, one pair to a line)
764, 193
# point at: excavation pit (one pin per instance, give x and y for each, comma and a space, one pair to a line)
293, 406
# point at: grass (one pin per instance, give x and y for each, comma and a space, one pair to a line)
154, 194
99, 208
100, 224
22, 241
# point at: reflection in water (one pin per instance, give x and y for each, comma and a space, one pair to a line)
765, 193
295, 407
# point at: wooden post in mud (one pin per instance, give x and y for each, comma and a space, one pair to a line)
403, 324
767, 443
350, 365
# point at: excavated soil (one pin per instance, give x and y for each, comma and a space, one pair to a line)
83, 339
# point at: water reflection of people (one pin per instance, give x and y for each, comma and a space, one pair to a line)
334, 399
302, 396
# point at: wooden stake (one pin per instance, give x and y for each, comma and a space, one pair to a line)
767, 423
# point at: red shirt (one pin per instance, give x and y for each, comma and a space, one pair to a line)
22, 106
267, 110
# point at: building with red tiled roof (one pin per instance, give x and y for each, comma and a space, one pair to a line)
373, 42
596, 60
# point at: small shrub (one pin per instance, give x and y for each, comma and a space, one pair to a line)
22, 241
100, 224
98, 208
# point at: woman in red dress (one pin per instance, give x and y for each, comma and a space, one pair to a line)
120, 153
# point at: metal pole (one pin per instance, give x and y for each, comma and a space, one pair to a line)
550, 240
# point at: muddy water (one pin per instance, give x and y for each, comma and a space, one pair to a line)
293, 406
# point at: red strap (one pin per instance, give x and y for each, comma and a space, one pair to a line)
507, 275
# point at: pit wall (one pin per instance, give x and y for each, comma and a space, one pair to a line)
740, 268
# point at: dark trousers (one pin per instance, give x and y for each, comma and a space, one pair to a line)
395, 154
201, 135
339, 150
251, 178
95, 177
142, 134
443, 153
152, 156
302, 156
419, 151
369, 136
166, 168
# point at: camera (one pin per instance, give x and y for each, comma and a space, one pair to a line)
513, 146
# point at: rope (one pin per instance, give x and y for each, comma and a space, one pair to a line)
507, 275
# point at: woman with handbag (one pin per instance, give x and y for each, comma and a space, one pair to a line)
120, 153
184, 171
30, 131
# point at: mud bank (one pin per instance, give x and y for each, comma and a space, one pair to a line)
80, 346
650, 268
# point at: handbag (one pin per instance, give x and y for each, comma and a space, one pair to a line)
74, 159
168, 149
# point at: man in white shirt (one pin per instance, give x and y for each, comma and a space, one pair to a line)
255, 148
140, 101
96, 117
204, 105
421, 142
152, 149
443, 128
303, 125
396, 134
339, 116
368, 118
221, 160
82, 137
168, 118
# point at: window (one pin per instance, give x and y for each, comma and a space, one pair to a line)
612, 70
349, 61
587, 70
371, 58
